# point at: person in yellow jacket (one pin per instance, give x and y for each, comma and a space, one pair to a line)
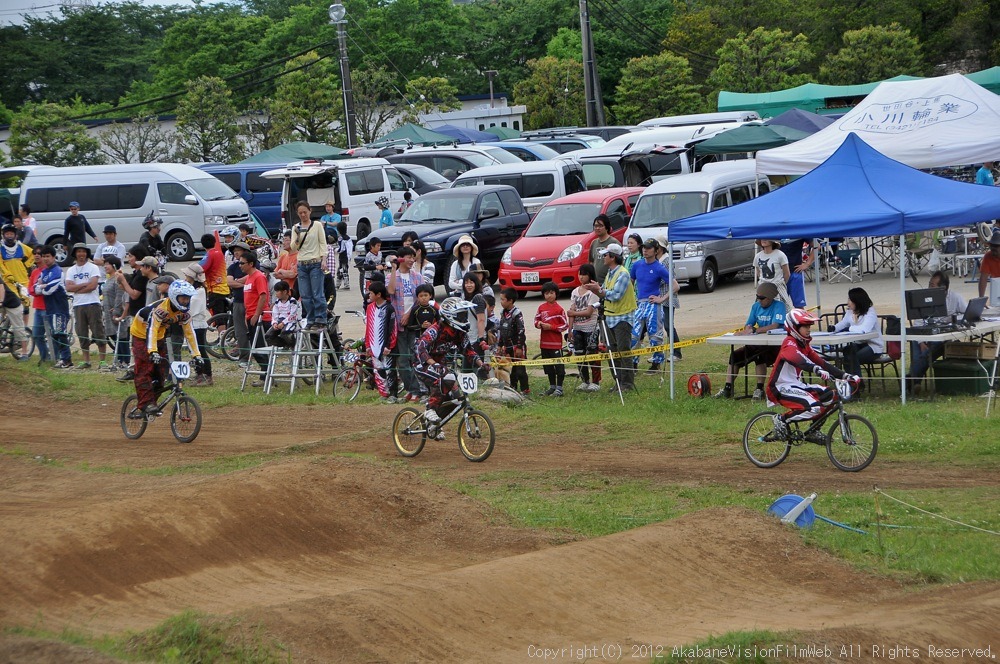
618, 297
16, 261
148, 330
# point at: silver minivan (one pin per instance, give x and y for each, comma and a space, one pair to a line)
720, 185
537, 182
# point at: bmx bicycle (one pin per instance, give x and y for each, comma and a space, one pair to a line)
851, 442
185, 415
7, 343
476, 433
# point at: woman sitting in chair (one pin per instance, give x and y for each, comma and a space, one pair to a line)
860, 318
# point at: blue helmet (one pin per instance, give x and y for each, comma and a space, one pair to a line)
176, 290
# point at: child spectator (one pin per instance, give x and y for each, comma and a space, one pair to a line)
284, 316
385, 219
50, 285
371, 267
407, 202
38, 323
331, 220
511, 340
115, 307
345, 248
380, 341
551, 320
194, 274
421, 316
492, 321
583, 314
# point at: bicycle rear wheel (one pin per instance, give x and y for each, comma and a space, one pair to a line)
854, 447
347, 384
133, 422
229, 346
409, 432
213, 339
476, 436
185, 419
763, 448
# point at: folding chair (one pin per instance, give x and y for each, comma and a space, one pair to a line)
845, 265
890, 358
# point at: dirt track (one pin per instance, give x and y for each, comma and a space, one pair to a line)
345, 559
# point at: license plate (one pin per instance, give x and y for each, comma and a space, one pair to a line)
529, 277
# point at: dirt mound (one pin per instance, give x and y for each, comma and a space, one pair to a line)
22, 649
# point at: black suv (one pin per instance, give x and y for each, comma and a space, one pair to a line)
492, 214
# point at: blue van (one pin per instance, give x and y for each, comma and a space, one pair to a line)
263, 195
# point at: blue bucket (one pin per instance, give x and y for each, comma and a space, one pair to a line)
784, 505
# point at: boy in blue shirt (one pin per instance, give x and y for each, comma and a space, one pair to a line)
51, 287
766, 314
386, 219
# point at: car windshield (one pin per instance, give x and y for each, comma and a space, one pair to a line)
502, 155
427, 175
440, 209
212, 189
575, 219
660, 209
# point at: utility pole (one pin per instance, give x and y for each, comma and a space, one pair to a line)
337, 14
591, 83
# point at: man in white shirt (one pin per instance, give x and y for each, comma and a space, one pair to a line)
111, 246
81, 280
28, 220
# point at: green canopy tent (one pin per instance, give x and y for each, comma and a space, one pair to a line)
749, 138
503, 133
416, 135
297, 151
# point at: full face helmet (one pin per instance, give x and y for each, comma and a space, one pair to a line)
455, 312
177, 290
797, 318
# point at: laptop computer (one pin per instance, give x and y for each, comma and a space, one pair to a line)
974, 312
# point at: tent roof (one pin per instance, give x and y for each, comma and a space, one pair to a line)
417, 135
749, 138
796, 118
464, 134
943, 121
503, 132
297, 151
857, 192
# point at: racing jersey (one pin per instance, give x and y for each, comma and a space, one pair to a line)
152, 321
794, 357
439, 340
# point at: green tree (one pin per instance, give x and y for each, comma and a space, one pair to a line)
430, 94
266, 125
655, 86
308, 99
553, 93
566, 45
873, 53
44, 134
763, 61
139, 141
207, 123
376, 102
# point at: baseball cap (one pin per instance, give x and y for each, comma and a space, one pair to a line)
767, 289
649, 244
614, 249
148, 261
73, 204
165, 279
110, 229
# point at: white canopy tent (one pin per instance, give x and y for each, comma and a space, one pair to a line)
924, 123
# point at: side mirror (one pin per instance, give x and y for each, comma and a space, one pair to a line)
410, 184
489, 213
190, 200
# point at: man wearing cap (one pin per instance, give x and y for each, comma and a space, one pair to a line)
151, 240
619, 312
111, 245
990, 266
81, 281
76, 228
649, 275
766, 314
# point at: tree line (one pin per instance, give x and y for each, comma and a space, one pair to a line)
247, 76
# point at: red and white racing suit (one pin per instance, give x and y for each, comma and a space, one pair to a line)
785, 387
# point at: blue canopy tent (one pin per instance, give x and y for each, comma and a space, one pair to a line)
465, 135
856, 192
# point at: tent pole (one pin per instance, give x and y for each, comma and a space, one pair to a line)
670, 329
819, 254
903, 345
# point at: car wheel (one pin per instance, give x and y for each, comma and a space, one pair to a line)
179, 246
364, 230
709, 277
58, 245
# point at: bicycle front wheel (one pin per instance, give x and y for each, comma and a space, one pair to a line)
852, 447
761, 445
213, 340
229, 346
476, 436
409, 432
185, 419
347, 384
132, 420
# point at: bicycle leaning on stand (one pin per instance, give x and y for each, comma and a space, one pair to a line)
185, 415
476, 433
851, 442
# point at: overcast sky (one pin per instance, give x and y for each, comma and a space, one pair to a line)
11, 11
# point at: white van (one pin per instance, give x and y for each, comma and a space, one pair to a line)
537, 182
189, 201
702, 119
352, 184
687, 195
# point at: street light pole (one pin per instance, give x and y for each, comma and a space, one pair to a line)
337, 17
491, 74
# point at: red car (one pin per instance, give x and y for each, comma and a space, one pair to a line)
558, 239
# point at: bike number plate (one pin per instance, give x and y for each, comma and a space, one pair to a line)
182, 370
469, 382
529, 277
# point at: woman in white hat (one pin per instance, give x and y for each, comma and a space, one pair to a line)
465, 252
194, 274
